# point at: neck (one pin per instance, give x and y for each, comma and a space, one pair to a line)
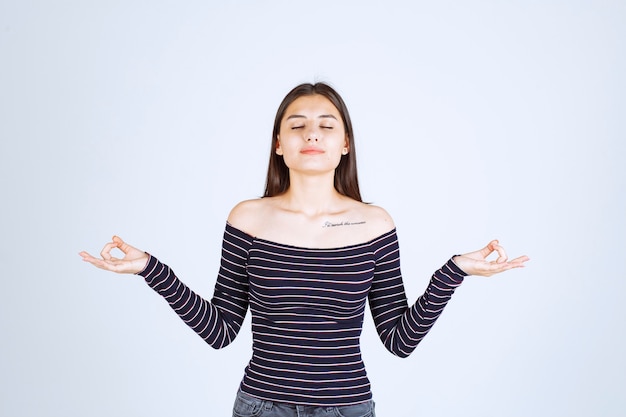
312, 195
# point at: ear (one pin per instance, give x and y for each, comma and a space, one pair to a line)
346, 147
279, 150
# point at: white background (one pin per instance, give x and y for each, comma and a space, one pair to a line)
474, 120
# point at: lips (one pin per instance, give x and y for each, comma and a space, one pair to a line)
311, 151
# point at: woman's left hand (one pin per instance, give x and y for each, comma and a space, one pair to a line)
476, 263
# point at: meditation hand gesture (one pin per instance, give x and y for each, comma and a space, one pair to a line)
476, 263
134, 260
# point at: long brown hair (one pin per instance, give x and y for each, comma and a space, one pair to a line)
346, 178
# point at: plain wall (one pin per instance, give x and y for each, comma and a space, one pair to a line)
474, 120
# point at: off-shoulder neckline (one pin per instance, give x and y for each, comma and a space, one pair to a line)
296, 247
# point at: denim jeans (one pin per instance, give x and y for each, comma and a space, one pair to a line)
249, 406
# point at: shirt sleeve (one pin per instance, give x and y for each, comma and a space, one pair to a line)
219, 320
399, 326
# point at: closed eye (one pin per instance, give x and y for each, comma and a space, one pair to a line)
296, 127
326, 127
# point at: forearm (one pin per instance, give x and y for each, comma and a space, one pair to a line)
402, 335
216, 326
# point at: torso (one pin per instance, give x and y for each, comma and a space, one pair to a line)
349, 222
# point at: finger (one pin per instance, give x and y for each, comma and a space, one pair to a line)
496, 268
502, 257
486, 251
85, 255
114, 265
106, 251
519, 261
100, 263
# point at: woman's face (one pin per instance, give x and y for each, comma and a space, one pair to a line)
312, 137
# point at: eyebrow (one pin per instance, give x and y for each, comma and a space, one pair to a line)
321, 116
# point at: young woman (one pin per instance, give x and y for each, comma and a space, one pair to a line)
305, 258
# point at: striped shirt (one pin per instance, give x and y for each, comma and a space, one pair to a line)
307, 309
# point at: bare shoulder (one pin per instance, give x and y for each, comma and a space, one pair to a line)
246, 213
379, 221
246, 216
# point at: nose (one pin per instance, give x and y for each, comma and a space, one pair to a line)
312, 135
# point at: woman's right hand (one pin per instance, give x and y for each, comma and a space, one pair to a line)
134, 260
